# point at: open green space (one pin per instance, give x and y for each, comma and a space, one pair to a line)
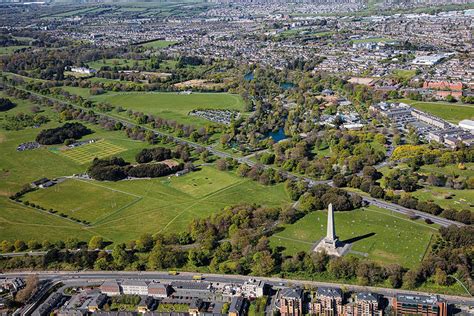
82, 92
449, 170
21, 222
173, 106
383, 236
447, 198
121, 211
404, 74
119, 62
451, 112
86, 153
79, 199
373, 39
159, 44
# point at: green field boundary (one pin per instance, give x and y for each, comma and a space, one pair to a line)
52, 214
105, 187
120, 209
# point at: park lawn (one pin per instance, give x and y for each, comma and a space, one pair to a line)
20, 168
173, 106
396, 239
447, 198
403, 74
198, 184
449, 170
111, 62
374, 39
159, 44
86, 153
121, 211
21, 222
79, 199
451, 112
82, 92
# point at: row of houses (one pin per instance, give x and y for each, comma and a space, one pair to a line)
332, 301
185, 290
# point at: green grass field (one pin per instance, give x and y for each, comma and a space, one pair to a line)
373, 39
173, 106
447, 198
159, 44
403, 74
122, 210
114, 62
451, 112
82, 92
86, 153
396, 239
78, 198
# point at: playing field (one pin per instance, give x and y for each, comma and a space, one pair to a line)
173, 106
121, 211
451, 112
159, 44
78, 198
382, 236
86, 153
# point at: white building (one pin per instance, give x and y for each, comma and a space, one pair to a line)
82, 70
253, 288
467, 124
134, 287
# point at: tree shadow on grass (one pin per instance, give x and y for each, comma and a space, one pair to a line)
355, 239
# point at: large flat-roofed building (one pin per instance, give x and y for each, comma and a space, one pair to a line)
407, 304
291, 302
183, 290
327, 301
134, 287
467, 124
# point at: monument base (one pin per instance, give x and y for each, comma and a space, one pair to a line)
332, 248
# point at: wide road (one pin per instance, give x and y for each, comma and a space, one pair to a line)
94, 277
376, 202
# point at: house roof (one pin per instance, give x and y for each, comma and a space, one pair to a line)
329, 292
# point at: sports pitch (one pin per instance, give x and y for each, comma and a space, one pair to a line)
86, 153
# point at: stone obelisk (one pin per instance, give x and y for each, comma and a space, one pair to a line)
331, 244
331, 237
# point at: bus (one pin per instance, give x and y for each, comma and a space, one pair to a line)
197, 277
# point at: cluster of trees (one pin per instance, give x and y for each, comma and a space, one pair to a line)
153, 154
258, 172
21, 120
6, 104
201, 134
367, 182
60, 134
320, 196
115, 169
